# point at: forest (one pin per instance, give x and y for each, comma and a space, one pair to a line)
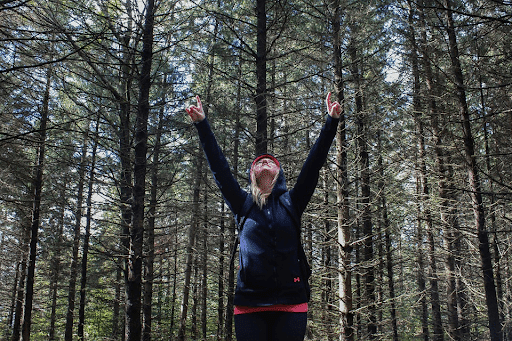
112, 227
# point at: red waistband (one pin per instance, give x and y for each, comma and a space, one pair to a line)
288, 308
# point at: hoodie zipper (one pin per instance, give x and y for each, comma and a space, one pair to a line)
270, 212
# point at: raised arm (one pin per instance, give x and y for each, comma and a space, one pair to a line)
233, 194
308, 178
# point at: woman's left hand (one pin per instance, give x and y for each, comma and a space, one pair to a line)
334, 109
196, 113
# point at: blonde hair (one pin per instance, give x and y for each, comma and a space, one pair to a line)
260, 198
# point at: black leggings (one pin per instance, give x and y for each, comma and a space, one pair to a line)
270, 326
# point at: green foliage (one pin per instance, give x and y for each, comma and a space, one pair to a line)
208, 48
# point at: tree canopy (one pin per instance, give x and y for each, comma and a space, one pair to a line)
111, 226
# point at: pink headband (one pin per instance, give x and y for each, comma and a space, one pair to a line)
263, 157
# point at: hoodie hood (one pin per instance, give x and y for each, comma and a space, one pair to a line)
280, 185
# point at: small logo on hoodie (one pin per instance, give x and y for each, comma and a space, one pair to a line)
296, 279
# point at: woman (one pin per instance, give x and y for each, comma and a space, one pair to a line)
272, 292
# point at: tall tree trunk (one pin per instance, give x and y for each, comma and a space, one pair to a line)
357, 255
55, 263
174, 284
116, 331
423, 190
379, 277
25, 250
434, 286
231, 237
220, 278
195, 298
204, 268
422, 288
36, 210
261, 76
190, 247
448, 212
368, 272
344, 243
273, 106
496, 242
474, 182
150, 230
326, 262
134, 257
368, 252
12, 308
389, 266
450, 239
421, 279
85, 247
195, 210
420, 233
387, 243
125, 184
125, 178
68, 333
286, 122
160, 295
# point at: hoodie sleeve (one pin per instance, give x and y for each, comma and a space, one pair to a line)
301, 193
233, 194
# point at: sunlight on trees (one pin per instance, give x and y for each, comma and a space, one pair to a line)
408, 232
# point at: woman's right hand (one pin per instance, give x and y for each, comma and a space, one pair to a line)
196, 113
333, 109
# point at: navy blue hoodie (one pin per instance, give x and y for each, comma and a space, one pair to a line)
270, 271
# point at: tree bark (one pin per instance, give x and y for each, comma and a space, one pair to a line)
387, 243
190, 247
364, 161
420, 233
55, 263
36, 211
134, 257
423, 190
434, 286
85, 247
174, 284
18, 310
327, 301
344, 242
220, 278
496, 242
204, 266
261, 76
12, 308
431, 104
474, 182
68, 333
231, 274
150, 230
195, 298
125, 177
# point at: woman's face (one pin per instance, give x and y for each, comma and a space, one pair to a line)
265, 171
